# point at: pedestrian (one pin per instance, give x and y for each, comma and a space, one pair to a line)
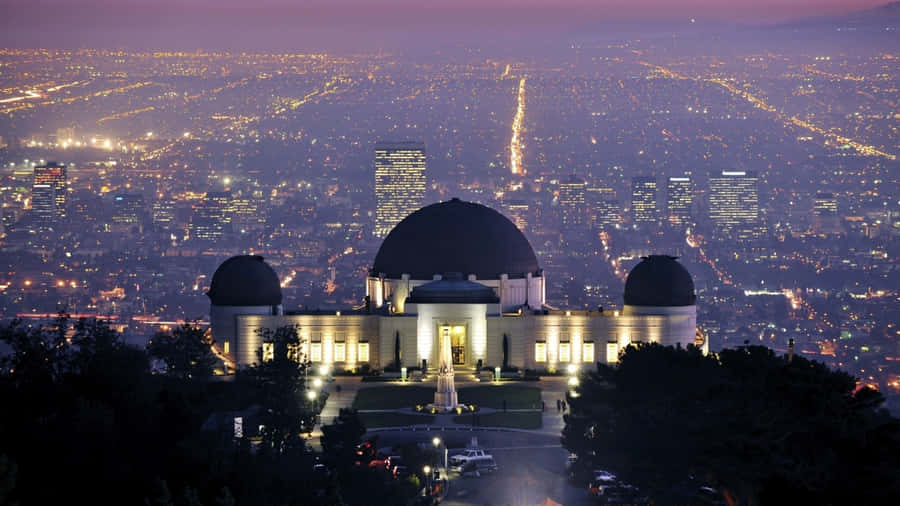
564, 406
542, 406
558, 404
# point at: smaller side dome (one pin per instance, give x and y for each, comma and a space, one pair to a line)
659, 280
245, 280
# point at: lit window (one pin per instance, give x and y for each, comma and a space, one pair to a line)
587, 352
294, 352
540, 352
565, 352
268, 352
340, 352
363, 352
612, 352
315, 352
227, 347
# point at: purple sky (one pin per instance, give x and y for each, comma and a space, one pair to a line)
734, 10
362, 23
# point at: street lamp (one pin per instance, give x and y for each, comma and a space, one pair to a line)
437, 442
311, 395
317, 382
427, 470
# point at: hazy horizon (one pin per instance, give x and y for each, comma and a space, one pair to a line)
359, 25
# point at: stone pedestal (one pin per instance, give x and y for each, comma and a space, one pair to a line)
445, 396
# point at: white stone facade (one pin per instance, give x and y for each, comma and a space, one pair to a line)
539, 340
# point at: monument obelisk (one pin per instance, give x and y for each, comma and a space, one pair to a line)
445, 396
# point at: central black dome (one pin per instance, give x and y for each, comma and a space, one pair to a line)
659, 280
455, 236
245, 280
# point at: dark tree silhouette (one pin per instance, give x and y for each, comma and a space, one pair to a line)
186, 351
279, 381
746, 421
505, 352
397, 353
82, 411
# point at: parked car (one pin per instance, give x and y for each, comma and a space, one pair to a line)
469, 455
709, 495
393, 461
623, 494
400, 472
601, 481
477, 467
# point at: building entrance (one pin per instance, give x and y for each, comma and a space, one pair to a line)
457, 334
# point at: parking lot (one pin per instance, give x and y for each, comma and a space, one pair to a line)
531, 468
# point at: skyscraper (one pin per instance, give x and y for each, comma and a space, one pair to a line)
679, 198
643, 200
399, 182
607, 214
212, 217
825, 213
163, 214
48, 194
571, 203
128, 208
517, 210
734, 204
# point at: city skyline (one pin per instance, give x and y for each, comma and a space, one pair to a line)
344, 253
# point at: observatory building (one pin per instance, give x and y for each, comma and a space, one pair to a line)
461, 271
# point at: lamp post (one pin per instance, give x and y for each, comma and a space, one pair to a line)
427, 470
437, 442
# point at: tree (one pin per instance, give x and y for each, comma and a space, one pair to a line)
8, 472
397, 353
38, 355
279, 381
341, 438
186, 351
745, 421
505, 352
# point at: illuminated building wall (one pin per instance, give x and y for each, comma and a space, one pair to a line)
551, 340
679, 199
332, 339
734, 205
643, 200
399, 183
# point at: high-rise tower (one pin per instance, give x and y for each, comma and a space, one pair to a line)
679, 198
825, 211
734, 204
399, 182
643, 200
48, 194
571, 203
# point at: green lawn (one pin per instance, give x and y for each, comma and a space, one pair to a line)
389, 419
492, 396
393, 397
517, 420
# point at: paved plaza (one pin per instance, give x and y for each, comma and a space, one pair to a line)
532, 463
